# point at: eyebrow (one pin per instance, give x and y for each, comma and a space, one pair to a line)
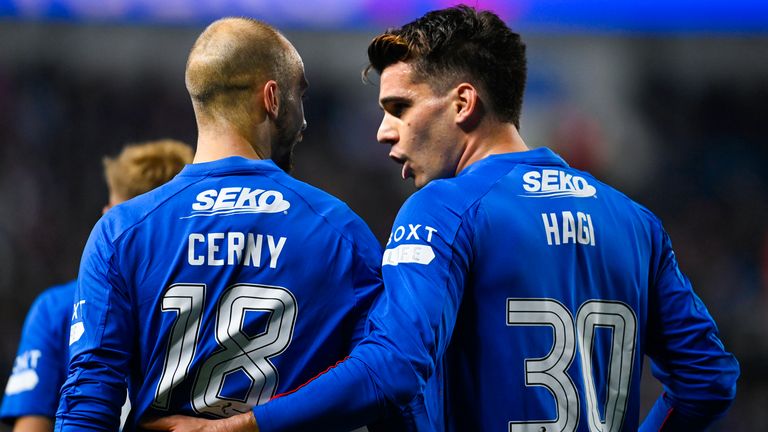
393, 99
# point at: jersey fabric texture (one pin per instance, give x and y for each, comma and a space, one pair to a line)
521, 295
229, 284
41, 361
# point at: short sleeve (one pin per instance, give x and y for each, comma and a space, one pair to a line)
40, 365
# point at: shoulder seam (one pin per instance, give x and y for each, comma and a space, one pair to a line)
346, 208
145, 216
341, 233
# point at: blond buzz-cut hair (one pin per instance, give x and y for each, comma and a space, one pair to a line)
141, 167
229, 59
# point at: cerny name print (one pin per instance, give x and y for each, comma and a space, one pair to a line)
234, 248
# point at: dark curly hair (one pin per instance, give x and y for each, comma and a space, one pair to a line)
456, 44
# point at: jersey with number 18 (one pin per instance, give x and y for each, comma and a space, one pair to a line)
228, 285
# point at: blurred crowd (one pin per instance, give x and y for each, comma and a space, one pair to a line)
708, 184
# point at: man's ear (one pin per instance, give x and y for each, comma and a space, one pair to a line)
468, 105
271, 98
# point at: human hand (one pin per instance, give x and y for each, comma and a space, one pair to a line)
179, 423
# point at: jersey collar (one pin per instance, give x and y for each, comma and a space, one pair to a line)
539, 156
228, 165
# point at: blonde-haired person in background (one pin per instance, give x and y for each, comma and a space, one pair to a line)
32, 394
142, 167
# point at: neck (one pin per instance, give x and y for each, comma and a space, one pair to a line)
222, 142
490, 139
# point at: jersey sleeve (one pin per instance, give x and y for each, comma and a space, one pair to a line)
366, 275
100, 341
425, 265
698, 374
38, 372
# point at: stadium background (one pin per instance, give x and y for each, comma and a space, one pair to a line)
667, 102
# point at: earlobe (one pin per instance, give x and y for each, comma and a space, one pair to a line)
271, 98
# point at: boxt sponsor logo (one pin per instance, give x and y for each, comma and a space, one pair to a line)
237, 200
552, 183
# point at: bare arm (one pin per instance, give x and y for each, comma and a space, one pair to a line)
178, 423
33, 424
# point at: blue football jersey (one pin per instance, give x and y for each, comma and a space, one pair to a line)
41, 361
228, 285
522, 295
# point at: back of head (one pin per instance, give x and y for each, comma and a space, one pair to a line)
229, 59
142, 167
460, 44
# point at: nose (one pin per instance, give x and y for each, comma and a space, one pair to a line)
387, 134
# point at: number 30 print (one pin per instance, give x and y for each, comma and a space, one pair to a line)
551, 371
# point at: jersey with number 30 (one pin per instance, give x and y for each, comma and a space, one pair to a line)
228, 285
521, 295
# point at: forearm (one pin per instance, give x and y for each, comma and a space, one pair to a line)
33, 423
315, 407
89, 399
180, 423
240, 423
671, 415
343, 398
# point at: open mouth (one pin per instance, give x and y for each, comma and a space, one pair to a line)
406, 172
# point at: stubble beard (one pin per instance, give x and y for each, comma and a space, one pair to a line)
282, 155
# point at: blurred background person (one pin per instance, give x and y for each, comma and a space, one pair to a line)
32, 392
664, 100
